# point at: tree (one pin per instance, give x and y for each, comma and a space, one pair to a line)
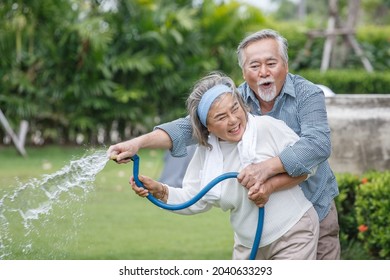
73, 68
52, 61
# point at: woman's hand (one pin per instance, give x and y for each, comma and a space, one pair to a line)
157, 189
122, 152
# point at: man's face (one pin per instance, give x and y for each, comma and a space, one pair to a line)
264, 69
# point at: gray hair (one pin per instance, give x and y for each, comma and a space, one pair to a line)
261, 35
200, 132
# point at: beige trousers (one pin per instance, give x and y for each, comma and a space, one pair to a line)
299, 243
329, 242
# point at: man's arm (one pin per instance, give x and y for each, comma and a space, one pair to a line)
180, 132
314, 145
260, 172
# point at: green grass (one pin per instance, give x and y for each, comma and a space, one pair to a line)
109, 222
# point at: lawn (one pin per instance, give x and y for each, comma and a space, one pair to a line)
104, 221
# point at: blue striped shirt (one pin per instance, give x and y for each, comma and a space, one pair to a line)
301, 105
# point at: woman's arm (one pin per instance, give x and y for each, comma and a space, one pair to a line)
122, 152
175, 135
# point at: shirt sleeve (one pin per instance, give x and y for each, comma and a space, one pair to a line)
281, 138
314, 145
180, 132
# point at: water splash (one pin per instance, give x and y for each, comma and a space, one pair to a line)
28, 208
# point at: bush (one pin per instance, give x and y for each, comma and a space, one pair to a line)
350, 81
345, 204
363, 207
375, 41
372, 213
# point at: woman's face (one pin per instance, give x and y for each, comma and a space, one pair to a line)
226, 118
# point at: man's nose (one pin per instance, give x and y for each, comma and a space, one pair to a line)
263, 71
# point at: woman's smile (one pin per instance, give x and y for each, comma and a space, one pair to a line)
235, 130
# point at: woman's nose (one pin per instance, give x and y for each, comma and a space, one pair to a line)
232, 118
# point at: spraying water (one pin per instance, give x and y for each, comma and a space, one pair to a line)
28, 208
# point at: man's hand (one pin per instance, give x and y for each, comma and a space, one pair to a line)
260, 194
256, 174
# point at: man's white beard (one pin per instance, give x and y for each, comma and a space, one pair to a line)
267, 95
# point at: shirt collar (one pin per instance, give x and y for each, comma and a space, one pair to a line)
288, 87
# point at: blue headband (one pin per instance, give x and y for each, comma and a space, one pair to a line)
207, 100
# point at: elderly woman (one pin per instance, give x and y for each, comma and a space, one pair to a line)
229, 139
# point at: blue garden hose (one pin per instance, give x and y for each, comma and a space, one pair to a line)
192, 201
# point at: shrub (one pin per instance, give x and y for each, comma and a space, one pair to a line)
345, 203
350, 81
372, 213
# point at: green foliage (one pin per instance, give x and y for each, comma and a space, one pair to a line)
375, 41
372, 209
54, 74
363, 207
350, 81
345, 203
376, 11
72, 68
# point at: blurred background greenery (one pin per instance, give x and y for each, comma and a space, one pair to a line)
100, 71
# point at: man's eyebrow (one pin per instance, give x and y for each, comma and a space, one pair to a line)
258, 60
